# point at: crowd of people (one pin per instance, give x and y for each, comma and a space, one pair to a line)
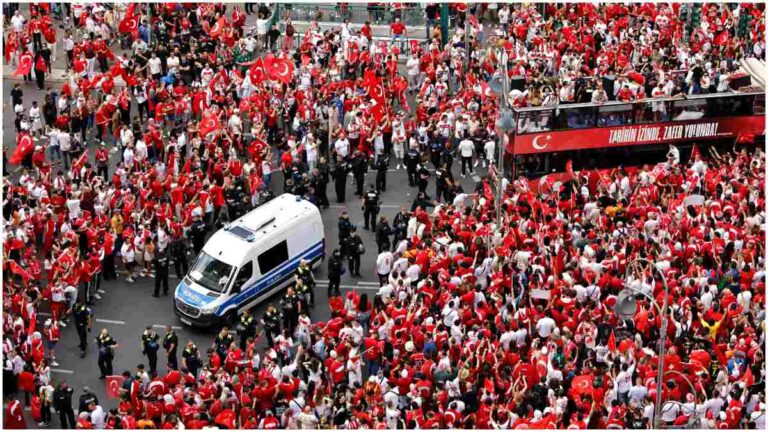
479, 322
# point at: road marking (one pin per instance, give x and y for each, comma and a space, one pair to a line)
162, 326
368, 283
390, 206
476, 178
353, 287
63, 371
106, 321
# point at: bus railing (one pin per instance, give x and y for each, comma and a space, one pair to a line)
356, 13
646, 111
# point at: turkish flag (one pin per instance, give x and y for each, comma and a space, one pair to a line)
114, 385
208, 125
218, 26
237, 15
24, 146
279, 69
257, 147
129, 24
257, 72
378, 111
25, 64
199, 103
80, 162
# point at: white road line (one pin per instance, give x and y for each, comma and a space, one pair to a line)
362, 288
162, 326
106, 321
63, 371
476, 178
368, 283
390, 206
321, 281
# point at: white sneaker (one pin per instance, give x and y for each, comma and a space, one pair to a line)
61, 324
101, 291
398, 166
41, 424
54, 363
97, 297
142, 274
476, 162
463, 176
129, 279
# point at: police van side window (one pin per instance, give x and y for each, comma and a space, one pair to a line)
243, 276
273, 257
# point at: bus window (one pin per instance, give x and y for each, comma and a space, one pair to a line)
534, 121
688, 109
575, 117
243, 276
615, 115
273, 257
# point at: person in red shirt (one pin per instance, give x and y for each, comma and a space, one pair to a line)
397, 31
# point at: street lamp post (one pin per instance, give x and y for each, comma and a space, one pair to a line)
662, 310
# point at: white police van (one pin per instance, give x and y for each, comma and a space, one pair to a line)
249, 260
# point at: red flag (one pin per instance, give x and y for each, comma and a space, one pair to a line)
374, 86
747, 138
279, 69
17, 269
487, 191
236, 14
24, 146
25, 64
218, 26
257, 72
256, 147
378, 111
612, 342
131, 10
114, 384
569, 169
78, 164
208, 125
695, 152
129, 24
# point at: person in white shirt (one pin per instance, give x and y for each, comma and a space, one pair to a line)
17, 21
466, 150
155, 66
490, 153
341, 147
384, 266
545, 326
261, 30
413, 72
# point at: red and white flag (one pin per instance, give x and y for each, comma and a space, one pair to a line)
129, 24
25, 64
257, 72
114, 384
24, 146
279, 69
208, 125
79, 163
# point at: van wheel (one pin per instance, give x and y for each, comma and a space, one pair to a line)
230, 318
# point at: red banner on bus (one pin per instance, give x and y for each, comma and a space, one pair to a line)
655, 133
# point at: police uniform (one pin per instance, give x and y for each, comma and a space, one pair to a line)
150, 344
305, 274
106, 353
191, 358
423, 177
271, 325
345, 228
247, 329
382, 235
340, 181
222, 345
161, 273
290, 306
179, 254
412, 158
370, 208
171, 344
353, 245
359, 167
382, 165
335, 269
83, 316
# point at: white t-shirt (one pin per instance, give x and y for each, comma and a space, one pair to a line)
155, 65
466, 148
413, 66
17, 21
384, 263
342, 147
545, 326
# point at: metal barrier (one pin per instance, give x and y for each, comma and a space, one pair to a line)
405, 45
356, 13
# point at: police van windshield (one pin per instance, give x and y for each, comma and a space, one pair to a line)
211, 273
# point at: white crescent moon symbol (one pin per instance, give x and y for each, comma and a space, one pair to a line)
535, 142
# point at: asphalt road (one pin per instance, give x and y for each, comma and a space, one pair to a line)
127, 308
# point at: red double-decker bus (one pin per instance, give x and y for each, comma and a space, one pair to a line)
599, 137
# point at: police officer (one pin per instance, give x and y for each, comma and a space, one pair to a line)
107, 345
83, 317
161, 273
400, 226
171, 344
422, 172
359, 167
304, 272
222, 343
87, 398
383, 231
423, 201
382, 165
179, 254
190, 358
247, 328
345, 228
443, 182
354, 249
302, 292
335, 270
411, 159
150, 345
322, 178
340, 180
290, 308
62, 403
197, 233
370, 207
271, 323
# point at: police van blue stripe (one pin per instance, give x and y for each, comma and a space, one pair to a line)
273, 276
